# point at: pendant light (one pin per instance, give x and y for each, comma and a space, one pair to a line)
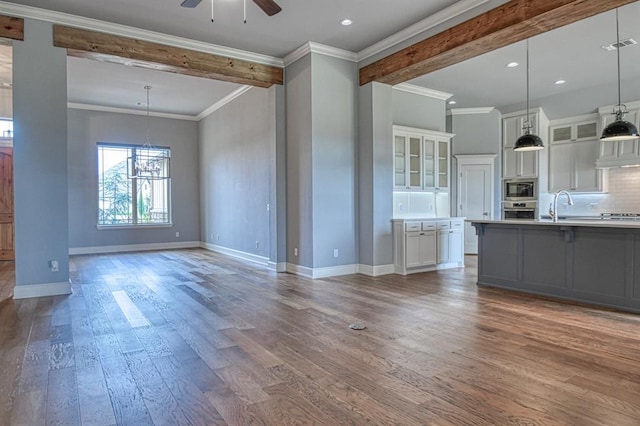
528, 141
620, 129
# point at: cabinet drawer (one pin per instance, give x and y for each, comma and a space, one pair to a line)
412, 226
428, 226
444, 224
457, 224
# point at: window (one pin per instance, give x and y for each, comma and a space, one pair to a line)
123, 201
6, 128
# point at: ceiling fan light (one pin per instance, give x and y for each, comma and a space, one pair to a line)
528, 142
620, 130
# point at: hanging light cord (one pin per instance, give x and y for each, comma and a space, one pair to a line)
212, 16
148, 88
245, 11
619, 113
528, 118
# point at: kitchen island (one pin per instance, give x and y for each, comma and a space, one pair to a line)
591, 261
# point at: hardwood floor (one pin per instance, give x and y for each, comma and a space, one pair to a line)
195, 338
7, 279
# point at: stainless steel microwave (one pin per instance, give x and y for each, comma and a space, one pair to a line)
520, 189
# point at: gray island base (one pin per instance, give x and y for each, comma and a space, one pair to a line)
591, 262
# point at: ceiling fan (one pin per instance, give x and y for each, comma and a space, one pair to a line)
269, 7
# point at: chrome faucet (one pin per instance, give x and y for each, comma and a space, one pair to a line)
553, 209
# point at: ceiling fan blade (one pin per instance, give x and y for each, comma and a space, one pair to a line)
270, 7
190, 3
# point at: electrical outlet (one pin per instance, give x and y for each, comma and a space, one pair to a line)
257, 244
177, 235
295, 251
218, 237
335, 252
268, 207
53, 265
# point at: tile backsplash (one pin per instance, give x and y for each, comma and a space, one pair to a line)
623, 196
420, 204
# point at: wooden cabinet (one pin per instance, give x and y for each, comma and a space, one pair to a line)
574, 150
619, 153
421, 159
421, 246
519, 164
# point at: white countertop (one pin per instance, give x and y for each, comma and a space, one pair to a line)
596, 223
425, 219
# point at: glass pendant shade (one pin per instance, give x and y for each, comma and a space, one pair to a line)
528, 142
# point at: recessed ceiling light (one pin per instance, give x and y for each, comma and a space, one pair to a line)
452, 102
346, 22
559, 82
512, 64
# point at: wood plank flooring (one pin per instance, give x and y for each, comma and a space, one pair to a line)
7, 279
190, 337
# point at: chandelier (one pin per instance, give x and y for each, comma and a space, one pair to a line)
147, 161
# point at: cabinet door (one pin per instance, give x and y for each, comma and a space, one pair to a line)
511, 130
429, 163
587, 177
400, 162
428, 248
509, 166
561, 168
456, 246
412, 253
527, 163
443, 165
415, 162
443, 246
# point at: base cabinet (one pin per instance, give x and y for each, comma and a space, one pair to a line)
428, 245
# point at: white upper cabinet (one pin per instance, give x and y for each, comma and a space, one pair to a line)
574, 149
619, 153
422, 159
520, 164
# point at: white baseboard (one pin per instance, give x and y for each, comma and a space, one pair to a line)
133, 247
41, 290
236, 253
278, 267
316, 273
375, 271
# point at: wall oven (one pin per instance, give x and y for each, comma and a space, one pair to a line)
527, 210
520, 190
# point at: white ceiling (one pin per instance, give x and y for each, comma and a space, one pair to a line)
572, 53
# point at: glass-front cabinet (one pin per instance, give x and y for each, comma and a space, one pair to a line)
421, 159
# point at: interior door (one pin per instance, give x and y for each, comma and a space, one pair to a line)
6, 204
474, 199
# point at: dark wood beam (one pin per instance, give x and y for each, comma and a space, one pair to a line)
11, 27
512, 22
144, 54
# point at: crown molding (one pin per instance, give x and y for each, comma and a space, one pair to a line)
467, 111
22, 11
422, 91
428, 23
322, 49
89, 107
222, 102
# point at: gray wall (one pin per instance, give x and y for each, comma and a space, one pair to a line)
477, 134
86, 128
375, 169
334, 83
419, 111
299, 145
40, 156
236, 147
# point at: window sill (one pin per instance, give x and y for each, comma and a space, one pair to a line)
153, 225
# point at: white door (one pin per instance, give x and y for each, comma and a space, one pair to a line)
475, 198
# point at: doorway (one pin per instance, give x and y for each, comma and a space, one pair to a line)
475, 194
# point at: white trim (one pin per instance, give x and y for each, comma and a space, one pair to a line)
475, 158
423, 91
428, 23
264, 261
433, 133
609, 108
222, 102
278, 267
317, 273
322, 49
28, 291
575, 119
376, 271
117, 110
13, 9
466, 111
132, 247
524, 112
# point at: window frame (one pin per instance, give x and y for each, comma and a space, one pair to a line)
134, 190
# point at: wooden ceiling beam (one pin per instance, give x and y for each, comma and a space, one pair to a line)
127, 51
11, 27
512, 22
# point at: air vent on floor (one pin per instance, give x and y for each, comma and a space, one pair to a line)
623, 43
